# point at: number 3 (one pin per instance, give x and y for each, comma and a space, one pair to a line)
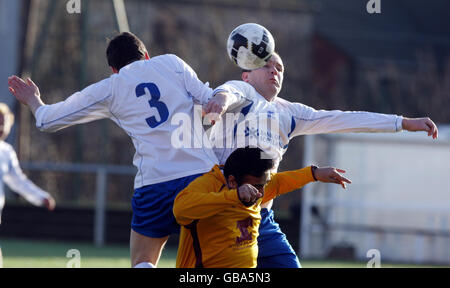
154, 102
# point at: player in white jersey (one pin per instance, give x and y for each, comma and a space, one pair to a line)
255, 100
140, 97
12, 175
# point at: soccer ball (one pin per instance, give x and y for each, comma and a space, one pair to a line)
250, 45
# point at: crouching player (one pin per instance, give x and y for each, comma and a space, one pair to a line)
220, 211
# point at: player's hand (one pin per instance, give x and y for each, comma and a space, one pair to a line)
22, 90
420, 124
331, 175
216, 106
25, 92
248, 194
49, 203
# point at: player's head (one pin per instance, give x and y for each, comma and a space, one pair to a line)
268, 79
248, 166
124, 49
6, 121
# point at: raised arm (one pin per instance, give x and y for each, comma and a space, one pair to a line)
26, 92
307, 120
90, 104
289, 181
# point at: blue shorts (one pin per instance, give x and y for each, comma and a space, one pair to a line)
279, 261
273, 246
153, 207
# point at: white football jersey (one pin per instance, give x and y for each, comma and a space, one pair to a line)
12, 175
142, 99
251, 120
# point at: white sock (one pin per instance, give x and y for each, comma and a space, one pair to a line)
145, 265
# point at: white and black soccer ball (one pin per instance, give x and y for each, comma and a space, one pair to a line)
250, 46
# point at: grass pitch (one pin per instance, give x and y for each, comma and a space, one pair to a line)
20, 253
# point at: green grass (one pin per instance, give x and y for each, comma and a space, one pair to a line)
46, 254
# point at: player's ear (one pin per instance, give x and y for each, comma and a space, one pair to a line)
114, 70
232, 183
244, 76
147, 56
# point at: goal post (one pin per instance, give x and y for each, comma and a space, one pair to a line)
121, 15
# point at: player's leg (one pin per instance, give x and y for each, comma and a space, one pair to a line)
1, 258
153, 219
151, 225
145, 251
274, 248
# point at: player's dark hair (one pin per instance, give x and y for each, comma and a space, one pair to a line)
247, 161
124, 49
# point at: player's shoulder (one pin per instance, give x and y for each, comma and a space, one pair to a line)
145, 63
165, 61
102, 87
293, 108
238, 85
168, 59
286, 104
6, 148
213, 177
282, 102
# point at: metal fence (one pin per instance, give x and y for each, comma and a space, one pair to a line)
102, 172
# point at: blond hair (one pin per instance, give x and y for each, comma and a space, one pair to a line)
8, 119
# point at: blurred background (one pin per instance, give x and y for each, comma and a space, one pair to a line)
336, 54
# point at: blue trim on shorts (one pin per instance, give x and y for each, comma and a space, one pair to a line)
153, 207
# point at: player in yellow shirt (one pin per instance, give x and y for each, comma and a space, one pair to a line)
220, 211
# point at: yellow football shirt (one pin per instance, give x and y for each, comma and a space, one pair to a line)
218, 231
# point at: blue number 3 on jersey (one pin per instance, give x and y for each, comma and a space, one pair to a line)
154, 102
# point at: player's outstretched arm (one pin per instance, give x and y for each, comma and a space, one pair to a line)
330, 175
25, 92
18, 182
285, 182
420, 124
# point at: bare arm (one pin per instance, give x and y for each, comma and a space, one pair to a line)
420, 124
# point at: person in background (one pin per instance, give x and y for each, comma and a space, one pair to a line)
12, 175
